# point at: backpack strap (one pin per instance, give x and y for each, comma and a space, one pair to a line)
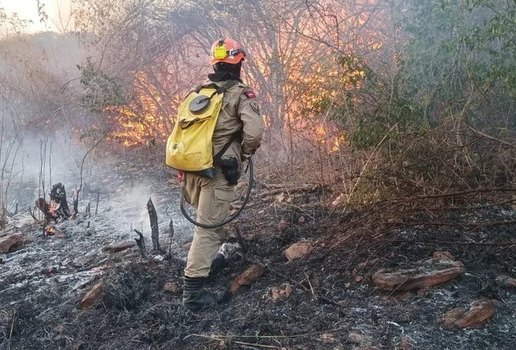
225, 87
220, 153
220, 89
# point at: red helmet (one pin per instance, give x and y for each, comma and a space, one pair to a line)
226, 50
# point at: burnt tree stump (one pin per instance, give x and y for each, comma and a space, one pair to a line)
58, 195
140, 242
153, 217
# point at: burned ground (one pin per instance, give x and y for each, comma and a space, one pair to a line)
334, 303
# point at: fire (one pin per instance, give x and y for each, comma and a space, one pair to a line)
149, 116
330, 136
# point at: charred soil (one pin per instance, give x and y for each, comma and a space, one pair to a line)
324, 300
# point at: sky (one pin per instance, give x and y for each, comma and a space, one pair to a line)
57, 10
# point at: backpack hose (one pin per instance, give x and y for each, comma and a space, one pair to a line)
228, 219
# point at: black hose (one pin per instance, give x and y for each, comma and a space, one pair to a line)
228, 219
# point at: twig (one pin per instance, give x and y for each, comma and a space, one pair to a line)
31, 212
97, 204
84, 159
455, 194
483, 134
221, 336
502, 244
15, 315
310, 284
355, 185
170, 236
258, 345
455, 224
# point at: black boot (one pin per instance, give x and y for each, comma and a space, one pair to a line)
194, 296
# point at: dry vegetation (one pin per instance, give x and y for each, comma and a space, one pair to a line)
391, 134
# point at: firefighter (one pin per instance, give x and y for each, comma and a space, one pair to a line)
239, 129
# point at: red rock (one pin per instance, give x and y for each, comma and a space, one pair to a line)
246, 278
431, 272
360, 338
172, 287
405, 343
298, 250
282, 225
11, 242
281, 292
477, 315
93, 296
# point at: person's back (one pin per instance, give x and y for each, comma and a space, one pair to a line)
237, 136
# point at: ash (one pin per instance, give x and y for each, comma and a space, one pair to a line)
334, 303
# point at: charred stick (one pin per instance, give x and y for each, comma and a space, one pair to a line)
141, 243
153, 216
76, 203
171, 236
31, 212
97, 204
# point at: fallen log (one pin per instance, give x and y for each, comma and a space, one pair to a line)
429, 273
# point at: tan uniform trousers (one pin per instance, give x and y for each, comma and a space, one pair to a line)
211, 198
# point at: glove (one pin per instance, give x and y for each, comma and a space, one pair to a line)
245, 156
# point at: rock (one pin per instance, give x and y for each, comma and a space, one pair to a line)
93, 296
282, 292
11, 242
280, 198
298, 250
172, 287
506, 281
405, 343
431, 272
479, 312
282, 225
328, 338
443, 255
360, 338
246, 278
119, 247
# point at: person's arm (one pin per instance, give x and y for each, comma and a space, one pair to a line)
252, 123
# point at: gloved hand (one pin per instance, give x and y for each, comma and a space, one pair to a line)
245, 156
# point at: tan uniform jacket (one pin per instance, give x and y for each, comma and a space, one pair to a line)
239, 111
